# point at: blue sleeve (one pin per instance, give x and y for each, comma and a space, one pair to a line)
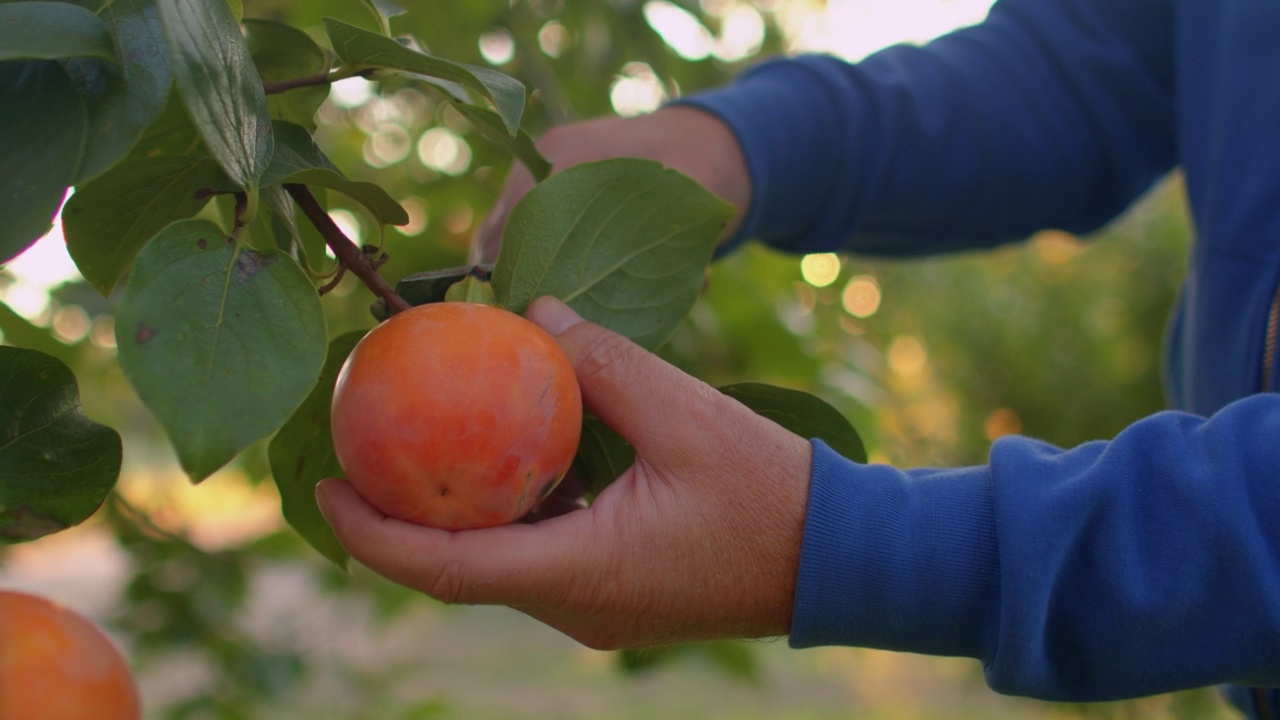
1130, 567
1051, 113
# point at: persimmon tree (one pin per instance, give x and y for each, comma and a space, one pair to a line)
187, 133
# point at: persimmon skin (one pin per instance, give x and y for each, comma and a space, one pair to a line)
456, 416
57, 665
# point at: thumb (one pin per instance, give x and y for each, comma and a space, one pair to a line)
651, 403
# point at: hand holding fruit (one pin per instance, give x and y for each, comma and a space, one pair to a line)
699, 539
683, 138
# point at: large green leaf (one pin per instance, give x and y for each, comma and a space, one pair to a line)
282, 52
51, 31
111, 218
302, 455
221, 342
56, 465
803, 414
362, 48
124, 98
220, 86
43, 123
625, 242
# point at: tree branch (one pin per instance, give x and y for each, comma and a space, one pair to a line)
321, 78
346, 251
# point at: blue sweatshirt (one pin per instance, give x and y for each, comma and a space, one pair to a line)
1120, 568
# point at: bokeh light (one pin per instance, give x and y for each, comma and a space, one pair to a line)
820, 269
861, 297
497, 46
637, 90
443, 150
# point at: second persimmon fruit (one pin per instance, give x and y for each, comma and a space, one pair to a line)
456, 415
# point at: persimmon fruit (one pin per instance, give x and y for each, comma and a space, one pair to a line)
456, 415
55, 664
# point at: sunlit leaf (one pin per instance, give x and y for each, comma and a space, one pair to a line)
362, 48
52, 30
111, 218
43, 124
302, 455
221, 342
220, 86
803, 414
624, 242
56, 465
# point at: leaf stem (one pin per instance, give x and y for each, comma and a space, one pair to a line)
346, 251
324, 77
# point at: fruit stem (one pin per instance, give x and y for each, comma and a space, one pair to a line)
345, 250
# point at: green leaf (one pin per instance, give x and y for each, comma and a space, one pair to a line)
302, 455
431, 286
624, 242
282, 52
803, 414
111, 218
124, 98
521, 145
171, 134
56, 465
221, 342
43, 123
362, 48
382, 12
603, 455
220, 86
298, 160
51, 31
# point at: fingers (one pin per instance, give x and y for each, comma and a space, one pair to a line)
660, 410
512, 564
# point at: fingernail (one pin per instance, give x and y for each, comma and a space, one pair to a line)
322, 496
553, 315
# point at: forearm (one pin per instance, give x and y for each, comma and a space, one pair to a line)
1116, 569
1052, 113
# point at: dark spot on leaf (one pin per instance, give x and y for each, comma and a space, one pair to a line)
249, 264
19, 524
201, 243
444, 490
144, 334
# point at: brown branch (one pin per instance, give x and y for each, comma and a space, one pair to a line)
321, 78
324, 77
345, 250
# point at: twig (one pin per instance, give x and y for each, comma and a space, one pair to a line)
345, 250
324, 77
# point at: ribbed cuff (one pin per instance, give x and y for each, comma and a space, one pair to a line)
900, 560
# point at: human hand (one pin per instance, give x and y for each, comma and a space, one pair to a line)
699, 539
683, 138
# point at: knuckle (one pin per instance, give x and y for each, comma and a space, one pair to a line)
449, 584
605, 355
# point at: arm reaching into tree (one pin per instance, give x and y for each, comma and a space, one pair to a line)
687, 139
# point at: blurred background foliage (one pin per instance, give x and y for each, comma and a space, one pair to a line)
228, 615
